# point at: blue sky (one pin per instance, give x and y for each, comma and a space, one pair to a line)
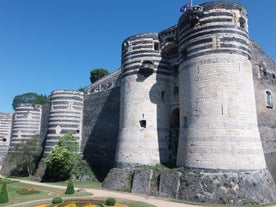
47, 45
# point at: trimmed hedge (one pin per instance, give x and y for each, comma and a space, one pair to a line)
70, 187
110, 202
57, 200
4, 197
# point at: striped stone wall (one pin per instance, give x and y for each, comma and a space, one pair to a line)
27, 123
5, 134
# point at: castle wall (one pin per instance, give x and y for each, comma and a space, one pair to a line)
65, 116
101, 121
100, 127
5, 134
188, 89
264, 70
217, 105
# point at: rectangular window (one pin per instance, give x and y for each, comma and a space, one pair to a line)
162, 95
156, 46
143, 123
268, 99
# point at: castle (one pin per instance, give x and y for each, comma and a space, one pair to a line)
196, 95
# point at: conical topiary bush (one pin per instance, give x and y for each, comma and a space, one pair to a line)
70, 187
4, 197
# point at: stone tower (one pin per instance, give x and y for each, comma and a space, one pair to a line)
218, 112
144, 87
65, 116
27, 122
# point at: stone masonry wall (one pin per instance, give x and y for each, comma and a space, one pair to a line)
5, 134
264, 71
101, 121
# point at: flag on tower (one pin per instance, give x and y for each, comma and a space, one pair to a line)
185, 7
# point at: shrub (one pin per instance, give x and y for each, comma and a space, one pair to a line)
4, 197
70, 187
26, 191
110, 201
57, 200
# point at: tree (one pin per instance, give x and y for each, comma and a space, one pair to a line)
4, 197
62, 158
25, 155
31, 97
97, 74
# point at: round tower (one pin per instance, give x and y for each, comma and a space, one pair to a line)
27, 122
216, 90
143, 131
65, 116
219, 131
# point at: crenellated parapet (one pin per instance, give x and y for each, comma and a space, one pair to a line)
168, 42
108, 82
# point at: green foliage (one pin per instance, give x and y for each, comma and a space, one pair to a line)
4, 197
32, 98
56, 200
97, 74
110, 201
82, 168
26, 154
68, 142
70, 187
62, 158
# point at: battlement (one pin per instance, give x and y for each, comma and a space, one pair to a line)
106, 83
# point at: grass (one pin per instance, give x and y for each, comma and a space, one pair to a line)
136, 204
46, 193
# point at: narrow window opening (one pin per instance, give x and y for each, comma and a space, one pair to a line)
78, 131
185, 121
143, 124
175, 91
156, 46
273, 76
264, 73
185, 53
268, 99
175, 70
162, 95
242, 22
